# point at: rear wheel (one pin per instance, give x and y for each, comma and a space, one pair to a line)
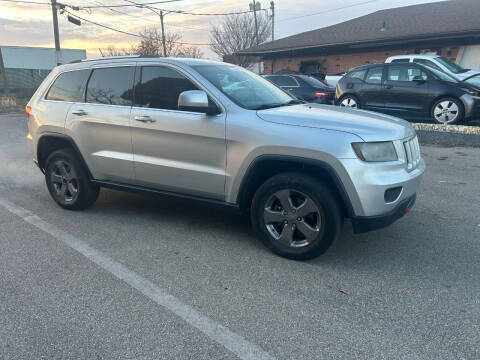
349, 101
296, 216
447, 111
67, 181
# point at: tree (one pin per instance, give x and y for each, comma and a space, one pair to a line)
236, 33
152, 45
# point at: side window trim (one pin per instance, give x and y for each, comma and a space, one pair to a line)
109, 66
182, 72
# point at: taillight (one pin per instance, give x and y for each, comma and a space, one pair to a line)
321, 94
28, 109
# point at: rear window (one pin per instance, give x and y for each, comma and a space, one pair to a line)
283, 80
68, 86
313, 82
112, 86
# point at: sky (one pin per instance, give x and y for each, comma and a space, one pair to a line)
23, 24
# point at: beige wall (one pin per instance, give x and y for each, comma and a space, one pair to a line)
333, 64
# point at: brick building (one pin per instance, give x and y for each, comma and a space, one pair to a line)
448, 28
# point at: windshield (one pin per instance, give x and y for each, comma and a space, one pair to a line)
245, 88
313, 82
450, 65
441, 75
474, 80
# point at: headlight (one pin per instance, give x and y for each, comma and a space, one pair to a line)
471, 92
375, 151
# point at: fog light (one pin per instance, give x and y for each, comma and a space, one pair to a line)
392, 194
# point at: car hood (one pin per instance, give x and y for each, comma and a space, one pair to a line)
467, 74
368, 125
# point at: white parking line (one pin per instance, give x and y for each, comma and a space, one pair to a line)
235, 343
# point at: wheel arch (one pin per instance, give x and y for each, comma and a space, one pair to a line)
266, 166
50, 142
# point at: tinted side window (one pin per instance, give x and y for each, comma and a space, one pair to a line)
374, 75
160, 87
111, 86
400, 60
283, 81
68, 86
357, 74
428, 63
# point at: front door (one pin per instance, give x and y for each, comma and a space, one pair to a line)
176, 151
100, 124
407, 91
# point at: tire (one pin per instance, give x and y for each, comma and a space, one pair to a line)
306, 231
447, 110
68, 182
349, 99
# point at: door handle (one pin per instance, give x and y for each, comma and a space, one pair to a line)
144, 119
79, 112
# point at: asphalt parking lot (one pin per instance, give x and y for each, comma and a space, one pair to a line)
146, 278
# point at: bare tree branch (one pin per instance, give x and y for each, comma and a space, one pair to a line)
236, 33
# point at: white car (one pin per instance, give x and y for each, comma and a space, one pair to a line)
436, 62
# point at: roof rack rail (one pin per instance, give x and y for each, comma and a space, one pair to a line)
113, 57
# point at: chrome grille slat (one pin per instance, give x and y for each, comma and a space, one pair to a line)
412, 152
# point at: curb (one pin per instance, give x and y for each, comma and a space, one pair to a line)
448, 135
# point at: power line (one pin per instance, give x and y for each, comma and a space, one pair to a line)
129, 33
327, 11
27, 2
127, 5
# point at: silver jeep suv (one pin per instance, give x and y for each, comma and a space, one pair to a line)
215, 132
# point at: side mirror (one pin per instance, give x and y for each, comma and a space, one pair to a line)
196, 101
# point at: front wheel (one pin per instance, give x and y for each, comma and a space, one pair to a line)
67, 181
447, 111
296, 216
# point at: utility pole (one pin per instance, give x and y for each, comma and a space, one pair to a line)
6, 91
256, 29
163, 35
55, 32
272, 7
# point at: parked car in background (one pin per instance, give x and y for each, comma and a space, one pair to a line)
304, 87
435, 62
218, 133
331, 80
410, 91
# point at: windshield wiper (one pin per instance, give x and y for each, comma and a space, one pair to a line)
274, 105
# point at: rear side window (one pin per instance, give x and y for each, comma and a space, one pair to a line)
403, 60
160, 88
112, 86
374, 75
357, 74
283, 80
68, 86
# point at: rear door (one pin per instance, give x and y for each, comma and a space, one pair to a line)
371, 94
176, 151
100, 124
407, 90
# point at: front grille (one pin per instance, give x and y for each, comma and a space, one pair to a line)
412, 149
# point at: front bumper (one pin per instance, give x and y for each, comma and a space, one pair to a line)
363, 224
472, 106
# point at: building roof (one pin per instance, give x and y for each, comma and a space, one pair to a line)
28, 57
432, 20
